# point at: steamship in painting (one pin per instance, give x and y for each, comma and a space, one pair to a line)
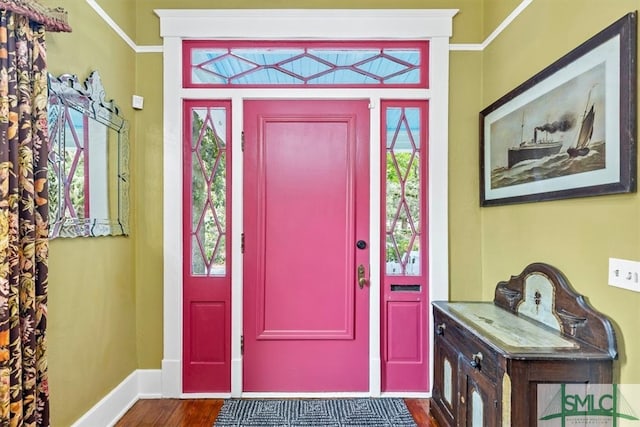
542, 145
533, 149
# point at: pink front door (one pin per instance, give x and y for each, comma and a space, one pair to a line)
306, 206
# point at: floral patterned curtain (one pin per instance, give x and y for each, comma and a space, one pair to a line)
24, 392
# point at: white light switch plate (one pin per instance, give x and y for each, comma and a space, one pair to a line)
137, 102
624, 274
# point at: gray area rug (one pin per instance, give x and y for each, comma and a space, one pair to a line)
360, 412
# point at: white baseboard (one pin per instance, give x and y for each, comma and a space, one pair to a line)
171, 378
407, 394
147, 384
142, 383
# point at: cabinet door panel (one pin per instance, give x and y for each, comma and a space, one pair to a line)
479, 405
445, 388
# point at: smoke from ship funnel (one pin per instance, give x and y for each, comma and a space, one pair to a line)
566, 122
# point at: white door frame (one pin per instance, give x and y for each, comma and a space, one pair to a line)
286, 24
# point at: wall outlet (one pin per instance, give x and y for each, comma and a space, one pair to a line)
624, 274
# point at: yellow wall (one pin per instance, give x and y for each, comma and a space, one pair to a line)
494, 13
122, 12
465, 262
578, 235
148, 206
92, 312
94, 347
467, 24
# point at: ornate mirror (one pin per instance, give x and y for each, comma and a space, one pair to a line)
88, 160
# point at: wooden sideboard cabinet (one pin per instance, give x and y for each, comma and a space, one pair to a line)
491, 356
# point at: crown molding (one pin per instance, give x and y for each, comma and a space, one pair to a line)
462, 47
507, 21
119, 31
466, 47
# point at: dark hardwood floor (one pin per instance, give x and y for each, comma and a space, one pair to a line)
203, 412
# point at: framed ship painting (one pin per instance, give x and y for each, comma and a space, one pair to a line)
570, 130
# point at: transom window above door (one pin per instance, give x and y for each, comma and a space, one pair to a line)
306, 64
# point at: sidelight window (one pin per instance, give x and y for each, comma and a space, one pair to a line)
208, 163
403, 188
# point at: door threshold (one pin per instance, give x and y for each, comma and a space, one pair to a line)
304, 395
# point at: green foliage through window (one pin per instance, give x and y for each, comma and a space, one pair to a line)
208, 192
403, 186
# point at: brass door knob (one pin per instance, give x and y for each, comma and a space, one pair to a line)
362, 280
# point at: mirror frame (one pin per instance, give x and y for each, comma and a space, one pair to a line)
89, 100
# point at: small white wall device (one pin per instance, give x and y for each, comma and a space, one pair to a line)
137, 102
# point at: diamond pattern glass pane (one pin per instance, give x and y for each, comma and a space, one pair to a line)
403, 189
308, 64
201, 76
229, 66
408, 56
202, 56
404, 78
338, 76
342, 58
198, 266
381, 65
267, 56
208, 191
268, 74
